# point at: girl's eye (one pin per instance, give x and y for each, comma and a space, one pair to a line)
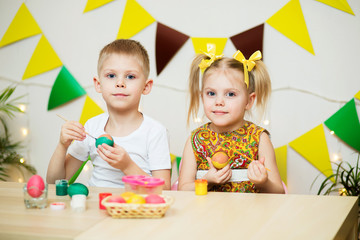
130, 76
111, 75
230, 94
210, 93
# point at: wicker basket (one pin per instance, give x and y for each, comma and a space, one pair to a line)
131, 210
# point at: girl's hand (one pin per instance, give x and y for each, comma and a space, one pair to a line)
257, 172
71, 130
115, 156
216, 176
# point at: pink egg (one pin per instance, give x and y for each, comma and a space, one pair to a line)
35, 186
154, 198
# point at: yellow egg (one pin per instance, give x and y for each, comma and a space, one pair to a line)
137, 199
220, 160
127, 195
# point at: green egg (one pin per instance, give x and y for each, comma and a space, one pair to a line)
105, 138
77, 188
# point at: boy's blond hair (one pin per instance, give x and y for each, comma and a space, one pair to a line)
127, 47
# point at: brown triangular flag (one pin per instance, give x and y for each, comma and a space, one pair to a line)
168, 42
249, 41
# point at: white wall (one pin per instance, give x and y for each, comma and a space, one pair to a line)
307, 89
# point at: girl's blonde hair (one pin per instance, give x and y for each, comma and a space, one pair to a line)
259, 81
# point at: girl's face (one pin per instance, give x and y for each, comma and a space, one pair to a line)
225, 99
122, 82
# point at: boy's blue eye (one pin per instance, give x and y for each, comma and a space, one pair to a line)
110, 75
210, 93
230, 94
130, 76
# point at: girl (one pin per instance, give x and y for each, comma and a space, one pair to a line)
229, 88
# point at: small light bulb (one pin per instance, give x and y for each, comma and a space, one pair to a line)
336, 157
22, 107
25, 131
22, 160
332, 132
266, 122
20, 180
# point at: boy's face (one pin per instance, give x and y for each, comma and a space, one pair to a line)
122, 82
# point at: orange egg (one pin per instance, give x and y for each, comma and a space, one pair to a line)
220, 160
127, 195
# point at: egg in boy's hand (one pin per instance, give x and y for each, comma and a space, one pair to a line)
104, 138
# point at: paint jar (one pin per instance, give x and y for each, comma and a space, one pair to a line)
201, 187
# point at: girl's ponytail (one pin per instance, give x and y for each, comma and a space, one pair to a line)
194, 88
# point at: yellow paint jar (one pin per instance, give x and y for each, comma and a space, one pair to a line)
201, 186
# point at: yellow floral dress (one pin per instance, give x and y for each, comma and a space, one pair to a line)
241, 146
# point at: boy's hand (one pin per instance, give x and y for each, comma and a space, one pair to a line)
115, 156
218, 176
257, 172
71, 130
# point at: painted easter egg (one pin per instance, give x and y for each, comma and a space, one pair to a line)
117, 199
35, 186
105, 138
77, 188
154, 198
137, 199
220, 160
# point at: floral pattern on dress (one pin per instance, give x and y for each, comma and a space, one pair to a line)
241, 145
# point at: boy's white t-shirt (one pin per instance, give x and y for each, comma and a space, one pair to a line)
147, 146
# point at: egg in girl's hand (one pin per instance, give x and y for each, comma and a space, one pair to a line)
35, 186
104, 138
117, 199
154, 198
220, 160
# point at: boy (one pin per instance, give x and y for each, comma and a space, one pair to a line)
140, 143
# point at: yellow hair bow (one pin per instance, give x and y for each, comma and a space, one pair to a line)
211, 50
248, 64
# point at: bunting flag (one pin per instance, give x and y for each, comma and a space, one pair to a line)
135, 19
345, 124
357, 96
90, 109
65, 89
168, 43
93, 4
312, 146
22, 26
249, 41
43, 59
200, 44
281, 161
338, 4
290, 21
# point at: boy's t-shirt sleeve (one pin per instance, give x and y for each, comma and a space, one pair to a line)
158, 151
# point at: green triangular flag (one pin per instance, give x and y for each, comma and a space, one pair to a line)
345, 124
65, 88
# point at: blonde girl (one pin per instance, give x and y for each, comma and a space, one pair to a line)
228, 88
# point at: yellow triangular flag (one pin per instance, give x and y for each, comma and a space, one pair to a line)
93, 4
43, 59
135, 19
357, 96
312, 146
200, 44
290, 21
338, 4
90, 109
22, 26
281, 161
